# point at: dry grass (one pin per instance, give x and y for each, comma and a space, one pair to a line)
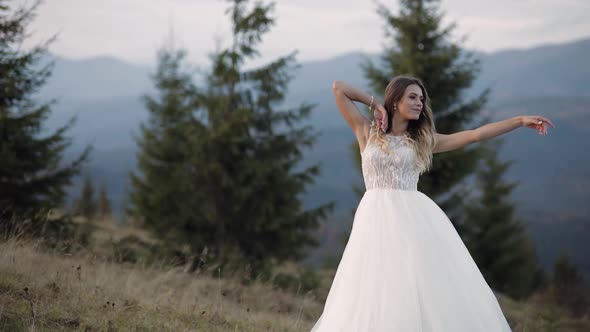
48, 291
537, 316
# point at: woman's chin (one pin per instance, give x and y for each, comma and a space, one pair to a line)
411, 116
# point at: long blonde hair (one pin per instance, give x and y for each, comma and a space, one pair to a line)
420, 132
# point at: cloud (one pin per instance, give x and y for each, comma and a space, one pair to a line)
134, 29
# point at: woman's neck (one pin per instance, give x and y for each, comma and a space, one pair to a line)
399, 126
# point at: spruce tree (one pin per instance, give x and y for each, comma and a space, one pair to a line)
418, 45
33, 174
163, 198
496, 239
259, 148
233, 181
86, 205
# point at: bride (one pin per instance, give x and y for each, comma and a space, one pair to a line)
404, 267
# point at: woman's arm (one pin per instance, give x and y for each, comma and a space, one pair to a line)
345, 95
458, 140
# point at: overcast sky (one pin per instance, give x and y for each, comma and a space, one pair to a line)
133, 29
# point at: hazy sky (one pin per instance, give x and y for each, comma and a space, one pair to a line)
133, 29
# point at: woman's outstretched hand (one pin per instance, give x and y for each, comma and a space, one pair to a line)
537, 122
380, 115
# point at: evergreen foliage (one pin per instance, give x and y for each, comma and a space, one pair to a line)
496, 239
33, 174
220, 165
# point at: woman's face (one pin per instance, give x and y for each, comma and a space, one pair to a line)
411, 104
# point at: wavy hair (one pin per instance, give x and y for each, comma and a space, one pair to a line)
420, 132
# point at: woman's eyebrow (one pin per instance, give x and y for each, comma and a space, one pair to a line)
415, 94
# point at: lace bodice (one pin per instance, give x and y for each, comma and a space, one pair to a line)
394, 169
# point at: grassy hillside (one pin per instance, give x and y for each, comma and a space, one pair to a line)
50, 292
88, 291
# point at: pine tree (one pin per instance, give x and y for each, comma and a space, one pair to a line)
417, 45
104, 204
33, 176
86, 204
163, 198
259, 148
233, 181
495, 238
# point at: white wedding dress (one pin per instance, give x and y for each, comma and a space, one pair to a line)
405, 268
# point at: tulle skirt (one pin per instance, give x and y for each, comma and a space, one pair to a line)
406, 269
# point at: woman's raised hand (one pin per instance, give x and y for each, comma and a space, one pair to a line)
380, 115
537, 122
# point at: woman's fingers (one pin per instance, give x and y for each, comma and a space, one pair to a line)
382, 116
539, 123
544, 119
377, 115
542, 129
541, 119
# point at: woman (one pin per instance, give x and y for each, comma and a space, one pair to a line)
405, 267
